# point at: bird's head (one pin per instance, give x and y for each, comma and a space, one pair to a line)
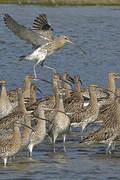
65, 39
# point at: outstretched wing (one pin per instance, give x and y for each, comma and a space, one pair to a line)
36, 37
41, 23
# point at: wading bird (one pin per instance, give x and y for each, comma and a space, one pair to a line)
40, 36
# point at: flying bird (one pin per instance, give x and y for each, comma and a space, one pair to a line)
40, 36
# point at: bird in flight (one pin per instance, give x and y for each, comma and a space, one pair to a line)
40, 36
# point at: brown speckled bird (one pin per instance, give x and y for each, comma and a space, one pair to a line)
40, 36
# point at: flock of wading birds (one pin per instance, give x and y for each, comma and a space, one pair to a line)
53, 115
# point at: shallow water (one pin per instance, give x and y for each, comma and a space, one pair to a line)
97, 29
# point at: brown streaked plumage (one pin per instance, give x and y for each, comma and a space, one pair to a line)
49, 101
66, 79
101, 92
5, 104
17, 115
27, 85
39, 130
25, 134
60, 123
42, 52
75, 102
111, 89
10, 147
12, 94
89, 113
109, 108
109, 130
33, 98
40, 36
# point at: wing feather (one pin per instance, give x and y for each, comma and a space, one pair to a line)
41, 23
36, 37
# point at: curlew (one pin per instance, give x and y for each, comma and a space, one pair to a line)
50, 100
5, 104
12, 94
39, 130
40, 36
109, 131
27, 85
89, 113
108, 93
10, 147
17, 115
75, 101
111, 89
60, 123
66, 79
107, 104
25, 134
33, 98
42, 52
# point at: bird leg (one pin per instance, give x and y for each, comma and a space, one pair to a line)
50, 139
13, 158
54, 150
82, 131
64, 138
42, 63
64, 148
113, 146
34, 69
30, 147
108, 151
5, 161
53, 141
53, 69
30, 154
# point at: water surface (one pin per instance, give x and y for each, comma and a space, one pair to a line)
97, 29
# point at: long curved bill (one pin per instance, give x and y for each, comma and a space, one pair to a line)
25, 125
80, 82
77, 46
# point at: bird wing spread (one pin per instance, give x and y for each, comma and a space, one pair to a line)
41, 23
36, 37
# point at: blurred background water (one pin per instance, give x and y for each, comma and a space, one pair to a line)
97, 29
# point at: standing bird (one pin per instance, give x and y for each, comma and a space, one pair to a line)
39, 130
109, 131
41, 38
5, 103
60, 123
88, 114
10, 147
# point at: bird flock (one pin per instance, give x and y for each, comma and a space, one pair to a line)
56, 114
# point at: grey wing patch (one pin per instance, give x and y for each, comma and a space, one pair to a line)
16, 28
27, 34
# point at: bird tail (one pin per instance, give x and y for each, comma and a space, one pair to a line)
21, 58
